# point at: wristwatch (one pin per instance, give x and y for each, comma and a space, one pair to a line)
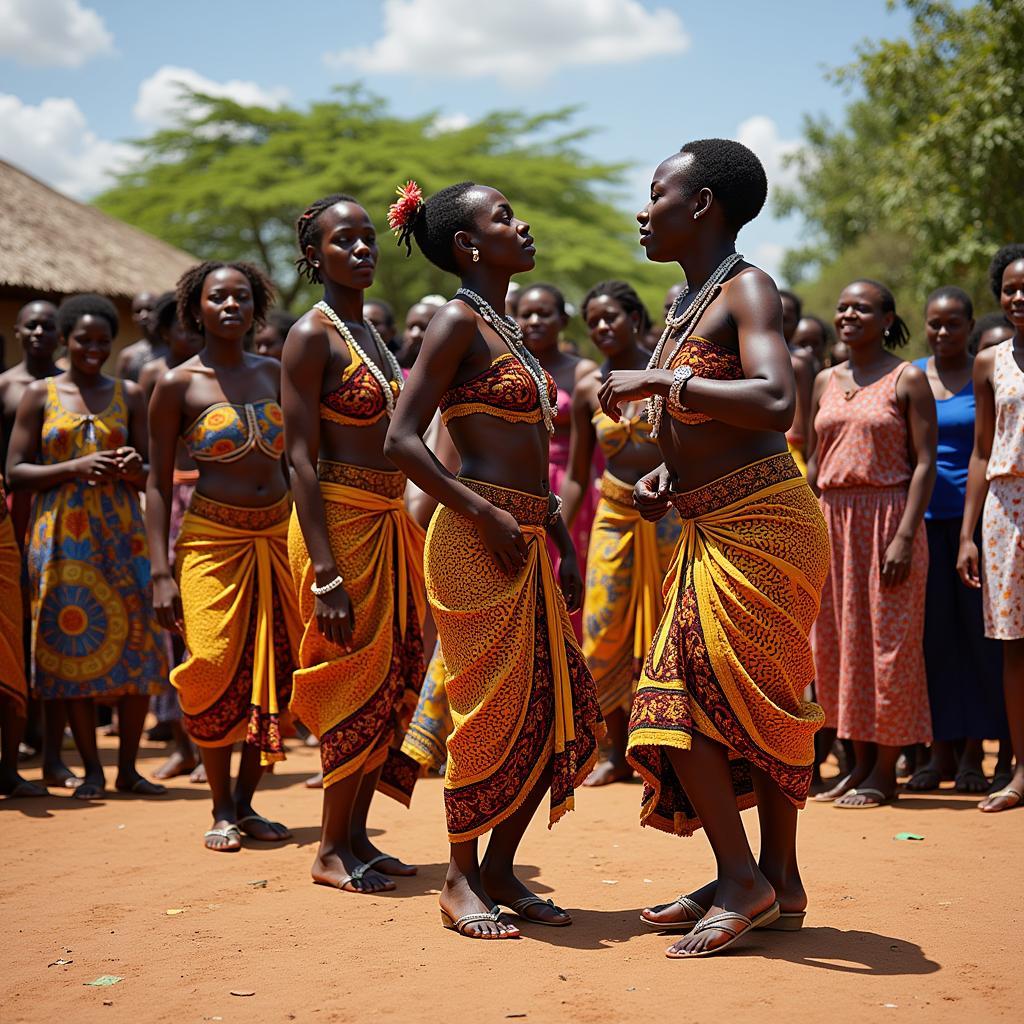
679, 378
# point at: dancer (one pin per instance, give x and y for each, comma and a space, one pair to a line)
995, 483
525, 711
965, 677
230, 595
873, 450
79, 443
719, 721
356, 556
628, 557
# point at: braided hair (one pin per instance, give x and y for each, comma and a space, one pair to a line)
899, 334
71, 310
625, 295
1002, 259
307, 229
190, 290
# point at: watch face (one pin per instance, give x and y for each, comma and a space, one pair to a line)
686, 372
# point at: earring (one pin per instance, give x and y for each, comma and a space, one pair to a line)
695, 216
476, 255
887, 332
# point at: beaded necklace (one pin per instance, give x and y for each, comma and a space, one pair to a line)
512, 334
382, 350
685, 324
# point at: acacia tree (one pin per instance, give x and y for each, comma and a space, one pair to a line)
930, 154
229, 181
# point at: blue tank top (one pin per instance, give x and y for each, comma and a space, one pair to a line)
956, 442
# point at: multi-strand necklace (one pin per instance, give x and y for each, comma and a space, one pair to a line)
512, 334
684, 323
383, 351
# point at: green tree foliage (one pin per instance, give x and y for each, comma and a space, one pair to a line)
228, 181
927, 162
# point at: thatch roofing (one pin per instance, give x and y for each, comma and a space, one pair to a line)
51, 243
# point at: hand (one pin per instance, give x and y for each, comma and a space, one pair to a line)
651, 494
335, 617
503, 539
571, 582
967, 564
896, 561
97, 466
129, 461
167, 604
623, 386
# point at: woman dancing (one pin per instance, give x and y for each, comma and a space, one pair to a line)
230, 596
628, 556
356, 556
719, 721
79, 443
525, 711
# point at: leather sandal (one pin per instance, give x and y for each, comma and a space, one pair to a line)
460, 924
721, 923
678, 926
519, 908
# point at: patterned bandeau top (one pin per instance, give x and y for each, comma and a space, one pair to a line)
226, 432
709, 360
612, 437
358, 400
505, 389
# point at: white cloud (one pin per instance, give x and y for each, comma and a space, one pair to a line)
52, 33
520, 42
162, 96
450, 123
53, 142
768, 256
761, 134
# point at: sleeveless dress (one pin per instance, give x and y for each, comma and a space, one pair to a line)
1002, 556
965, 670
868, 639
93, 629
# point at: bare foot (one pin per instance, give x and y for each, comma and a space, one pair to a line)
198, 777
175, 765
255, 826
460, 897
607, 772
677, 915
342, 869
750, 901
60, 776
503, 887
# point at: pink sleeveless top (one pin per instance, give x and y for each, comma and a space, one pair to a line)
862, 440
1007, 458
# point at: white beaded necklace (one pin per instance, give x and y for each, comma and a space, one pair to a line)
385, 353
512, 334
685, 324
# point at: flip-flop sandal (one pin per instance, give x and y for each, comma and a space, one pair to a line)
88, 791
925, 785
26, 790
677, 926
398, 860
460, 924
357, 876
787, 921
74, 781
229, 832
265, 821
143, 787
960, 782
519, 908
880, 801
720, 923
1015, 795
999, 781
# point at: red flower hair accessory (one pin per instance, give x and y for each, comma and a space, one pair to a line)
402, 213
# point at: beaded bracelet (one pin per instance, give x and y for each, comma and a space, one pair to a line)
554, 514
327, 587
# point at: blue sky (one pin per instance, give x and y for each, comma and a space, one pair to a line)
80, 78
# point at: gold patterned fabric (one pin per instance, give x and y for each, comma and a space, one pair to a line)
626, 565
425, 742
522, 699
731, 658
241, 624
359, 702
12, 652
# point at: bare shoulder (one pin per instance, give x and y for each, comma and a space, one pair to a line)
132, 391
752, 283
310, 327
453, 328
822, 378
588, 384
584, 368
985, 361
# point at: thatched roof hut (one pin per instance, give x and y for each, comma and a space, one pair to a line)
52, 246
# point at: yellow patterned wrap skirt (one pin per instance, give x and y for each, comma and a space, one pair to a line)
359, 702
13, 686
241, 624
522, 699
731, 659
425, 742
626, 566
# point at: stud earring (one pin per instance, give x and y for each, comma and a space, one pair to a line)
887, 332
476, 255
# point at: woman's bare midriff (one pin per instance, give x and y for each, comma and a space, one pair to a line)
253, 481
355, 446
703, 452
495, 451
